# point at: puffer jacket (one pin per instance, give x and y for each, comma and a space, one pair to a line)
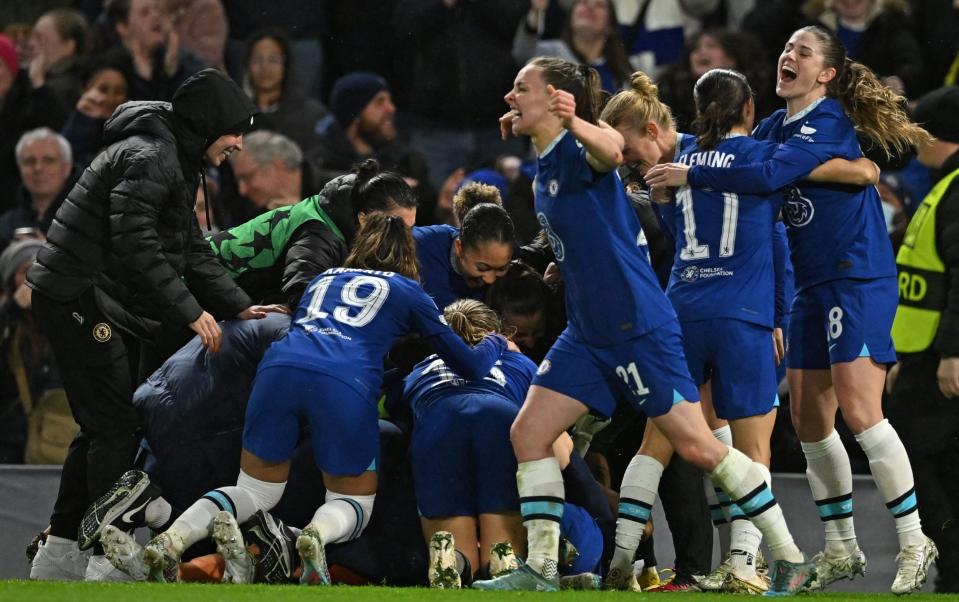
128, 226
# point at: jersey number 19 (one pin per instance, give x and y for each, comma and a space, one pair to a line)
368, 305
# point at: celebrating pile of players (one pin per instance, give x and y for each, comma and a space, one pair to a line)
314, 353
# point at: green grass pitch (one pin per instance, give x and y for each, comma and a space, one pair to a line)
17, 591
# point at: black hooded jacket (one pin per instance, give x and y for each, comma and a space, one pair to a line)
128, 225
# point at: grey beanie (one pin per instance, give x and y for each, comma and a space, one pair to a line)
13, 256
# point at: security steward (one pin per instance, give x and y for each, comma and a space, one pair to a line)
925, 393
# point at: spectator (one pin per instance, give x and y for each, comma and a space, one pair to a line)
878, 34
22, 107
104, 89
142, 42
58, 45
463, 66
654, 31
304, 21
284, 107
362, 127
36, 426
590, 37
202, 28
270, 173
46, 166
925, 383
716, 50
772, 22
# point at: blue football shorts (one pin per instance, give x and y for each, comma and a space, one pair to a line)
343, 423
841, 320
650, 371
738, 359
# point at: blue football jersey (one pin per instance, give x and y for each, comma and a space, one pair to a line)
431, 380
835, 231
434, 252
348, 319
723, 267
612, 294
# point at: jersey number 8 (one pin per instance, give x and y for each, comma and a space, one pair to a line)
368, 305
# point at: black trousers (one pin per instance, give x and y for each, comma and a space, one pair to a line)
928, 424
98, 364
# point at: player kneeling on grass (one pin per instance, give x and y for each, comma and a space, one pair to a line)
328, 370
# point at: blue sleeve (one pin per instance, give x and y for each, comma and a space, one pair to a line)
469, 362
780, 252
472, 363
792, 161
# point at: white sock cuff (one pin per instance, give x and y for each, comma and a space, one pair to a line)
265, 494
643, 471
819, 449
875, 435
731, 470
538, 473
362, 506
724, 434
767, 476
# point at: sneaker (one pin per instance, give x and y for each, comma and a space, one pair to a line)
789, 578
123, 506
442, 571
70, 566
757, 585
914, 562
715, 580
502, 560
162, 559
621, 579
123, 552
830, 569
35, 543
229, 542
567, 553
313, 555
273, 544
582, 581
679, 583
101, 569
523, 578
648, 578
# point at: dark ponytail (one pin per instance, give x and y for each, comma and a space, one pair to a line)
376, 190
720, 95
582, 81
486, 222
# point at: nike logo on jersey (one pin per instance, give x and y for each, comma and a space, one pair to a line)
128, 516
805, 129
831, 346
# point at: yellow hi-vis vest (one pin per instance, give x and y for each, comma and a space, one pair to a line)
922, 293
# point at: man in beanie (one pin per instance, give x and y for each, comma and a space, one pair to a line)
925, 383
360, 127
121, 282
